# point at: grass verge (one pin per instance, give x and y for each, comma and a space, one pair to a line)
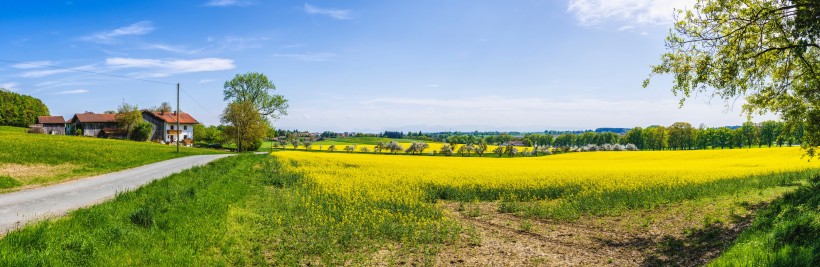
786, 233
31, 159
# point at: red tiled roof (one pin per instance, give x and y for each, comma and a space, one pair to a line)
171, 117
50, 119
89, 117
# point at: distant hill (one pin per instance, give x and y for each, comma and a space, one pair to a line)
613, 130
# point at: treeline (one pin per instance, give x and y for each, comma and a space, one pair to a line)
678, 136
20, 110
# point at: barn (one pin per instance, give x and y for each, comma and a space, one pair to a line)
96, 125
52, 124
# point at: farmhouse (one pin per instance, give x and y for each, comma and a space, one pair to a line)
52, 124
165, 124
96, 125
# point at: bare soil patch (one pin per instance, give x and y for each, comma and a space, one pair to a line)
25, 173
683, 234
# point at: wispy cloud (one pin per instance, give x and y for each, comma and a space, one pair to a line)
333, 13
71, 92
309, 57
107, 37
172, 48
629, 12
9, 86
432, 85
49, 72
33, 64
161, 67
223, 3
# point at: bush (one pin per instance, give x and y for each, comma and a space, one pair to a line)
252, 146
142, 131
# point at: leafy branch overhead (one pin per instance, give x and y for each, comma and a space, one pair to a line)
765, 51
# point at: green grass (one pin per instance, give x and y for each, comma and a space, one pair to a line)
786, 233
234, 211
73, 156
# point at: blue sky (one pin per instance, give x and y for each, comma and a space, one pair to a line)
360, 65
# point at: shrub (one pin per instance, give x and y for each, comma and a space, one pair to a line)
36, 129
142, 131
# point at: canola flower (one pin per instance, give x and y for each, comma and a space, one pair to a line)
357, 198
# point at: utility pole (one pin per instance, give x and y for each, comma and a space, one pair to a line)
177, 118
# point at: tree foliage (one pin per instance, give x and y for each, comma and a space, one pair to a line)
128, 116
767, 51
20, 110
254, 87
245, 126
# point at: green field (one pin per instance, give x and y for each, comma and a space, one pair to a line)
36, 159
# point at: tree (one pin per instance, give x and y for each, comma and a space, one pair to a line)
635, 136
294, 142
499, 150
749, 133
142, 131
447, 150
253, 87
510, 150
768, 132
245, 126
331, 148
307, 143
480, 148
765, 50
350, 148
164, 107
681, 135
128, 116
20, 110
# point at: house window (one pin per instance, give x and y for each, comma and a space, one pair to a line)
172, 127
185, 127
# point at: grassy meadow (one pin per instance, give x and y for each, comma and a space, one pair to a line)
300, 208
35, 159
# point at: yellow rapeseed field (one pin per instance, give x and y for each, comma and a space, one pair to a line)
417, 180
390, 177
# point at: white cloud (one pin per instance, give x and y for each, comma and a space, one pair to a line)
139, 28
163, 68
432, 85
9, 86
309, 57
227, 3
33, 64
333, 13
71, 92
49, 72
629, 12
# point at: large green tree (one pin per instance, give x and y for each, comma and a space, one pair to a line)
254, 87
767, 51
128, 116
20, 110
245, 126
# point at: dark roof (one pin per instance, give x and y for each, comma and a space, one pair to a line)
91, 117
171, 117
50, 119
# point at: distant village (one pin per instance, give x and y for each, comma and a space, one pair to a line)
164, 126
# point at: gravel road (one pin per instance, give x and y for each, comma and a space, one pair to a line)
18, 208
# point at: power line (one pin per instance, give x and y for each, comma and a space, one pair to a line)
86, 71
110, 75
